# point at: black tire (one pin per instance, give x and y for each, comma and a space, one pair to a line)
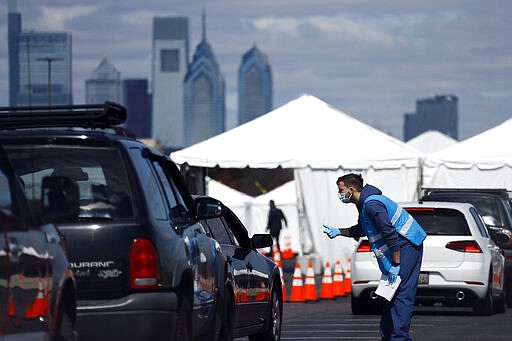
500, 306
273, 333
184, 321
484, 306
228, 315
64, 329
365, 306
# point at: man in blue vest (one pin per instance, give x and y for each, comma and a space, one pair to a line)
397, 241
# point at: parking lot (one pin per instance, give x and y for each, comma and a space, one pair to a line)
333, 320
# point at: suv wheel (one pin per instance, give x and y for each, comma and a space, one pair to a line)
64, 330
184, 321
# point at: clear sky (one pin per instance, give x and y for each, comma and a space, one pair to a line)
370, 59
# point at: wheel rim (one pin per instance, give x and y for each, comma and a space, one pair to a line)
276, 317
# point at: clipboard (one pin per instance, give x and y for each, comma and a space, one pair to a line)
387, 290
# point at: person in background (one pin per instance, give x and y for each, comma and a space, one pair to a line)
274, 222
396, 238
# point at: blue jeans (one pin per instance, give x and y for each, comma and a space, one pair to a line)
397, 313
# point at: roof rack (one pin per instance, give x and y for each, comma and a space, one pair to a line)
106, 115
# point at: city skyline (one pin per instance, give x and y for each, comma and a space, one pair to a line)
370, 60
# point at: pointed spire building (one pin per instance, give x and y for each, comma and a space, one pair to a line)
204, 94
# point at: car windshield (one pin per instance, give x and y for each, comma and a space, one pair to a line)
440, 221
103, 186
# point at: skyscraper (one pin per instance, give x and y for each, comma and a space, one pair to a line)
433, 113
254, 86
104, 84
169, 66
204, 99
14, 30
39, 65
136, 101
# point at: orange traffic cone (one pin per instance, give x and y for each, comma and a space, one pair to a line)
40, 304
297, 294
11, 311
326, 291
310, 285
337, 283
287, 250
348, 279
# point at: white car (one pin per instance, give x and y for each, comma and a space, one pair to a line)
461, 265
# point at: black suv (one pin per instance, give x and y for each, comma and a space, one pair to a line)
144, 267
37, 288
495, 208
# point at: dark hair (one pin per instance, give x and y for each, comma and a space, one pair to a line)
272, 204
352, 180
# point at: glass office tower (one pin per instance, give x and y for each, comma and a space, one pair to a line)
39, 65
254, 86
44, 69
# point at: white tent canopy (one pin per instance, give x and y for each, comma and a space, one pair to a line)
482, 161
431, 141
303, 132
320, 143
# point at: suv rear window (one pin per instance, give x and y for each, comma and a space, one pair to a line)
104, 189
440, 221
486, 206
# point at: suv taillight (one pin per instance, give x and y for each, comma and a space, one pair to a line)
364, 246
144, 271
470, 246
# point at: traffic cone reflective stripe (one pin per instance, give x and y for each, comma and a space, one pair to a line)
276, 256
310, 285
348, 280
275, 249
337, 283
287, 250
297, 294
326, 291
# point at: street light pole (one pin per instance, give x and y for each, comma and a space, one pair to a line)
49, 60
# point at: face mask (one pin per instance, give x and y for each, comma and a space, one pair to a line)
344, 199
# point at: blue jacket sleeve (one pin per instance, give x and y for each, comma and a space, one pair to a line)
356, 231
378, 213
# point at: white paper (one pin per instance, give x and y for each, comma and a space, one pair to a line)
385, 289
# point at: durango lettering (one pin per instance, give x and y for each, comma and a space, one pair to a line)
93, 264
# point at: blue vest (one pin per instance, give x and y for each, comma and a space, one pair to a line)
403, 222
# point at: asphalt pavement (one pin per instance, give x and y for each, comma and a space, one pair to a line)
333, 320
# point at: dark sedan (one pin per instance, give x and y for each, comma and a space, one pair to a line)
253, 288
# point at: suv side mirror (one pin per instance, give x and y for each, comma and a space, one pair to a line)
500, 235
207, 208
59, 199
261, 240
